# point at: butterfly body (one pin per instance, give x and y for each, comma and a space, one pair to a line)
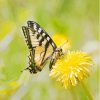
41, 47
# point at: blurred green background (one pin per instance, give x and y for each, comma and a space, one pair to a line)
75, 19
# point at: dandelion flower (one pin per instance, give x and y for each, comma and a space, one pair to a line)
71, 68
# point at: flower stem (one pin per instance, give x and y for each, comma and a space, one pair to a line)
86, 91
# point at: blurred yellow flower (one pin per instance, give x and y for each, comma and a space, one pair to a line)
62, 41
6, 28
14, 84
71, 68
10, 87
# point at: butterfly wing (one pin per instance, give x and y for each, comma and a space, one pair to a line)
40, 43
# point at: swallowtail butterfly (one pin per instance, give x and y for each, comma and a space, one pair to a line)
41, 47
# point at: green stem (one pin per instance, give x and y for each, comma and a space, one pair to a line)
86, 91
73, 93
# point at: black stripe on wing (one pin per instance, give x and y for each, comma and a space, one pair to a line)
27, 36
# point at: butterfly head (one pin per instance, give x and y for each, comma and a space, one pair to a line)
58, 52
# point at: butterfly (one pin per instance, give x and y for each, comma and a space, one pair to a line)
41, 47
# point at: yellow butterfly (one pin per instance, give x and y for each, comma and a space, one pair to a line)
41, 47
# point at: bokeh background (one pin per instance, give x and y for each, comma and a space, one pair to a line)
75, 19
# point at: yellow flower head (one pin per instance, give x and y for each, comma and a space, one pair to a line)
71, 68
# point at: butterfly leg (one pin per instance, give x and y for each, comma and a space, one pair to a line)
51, 63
